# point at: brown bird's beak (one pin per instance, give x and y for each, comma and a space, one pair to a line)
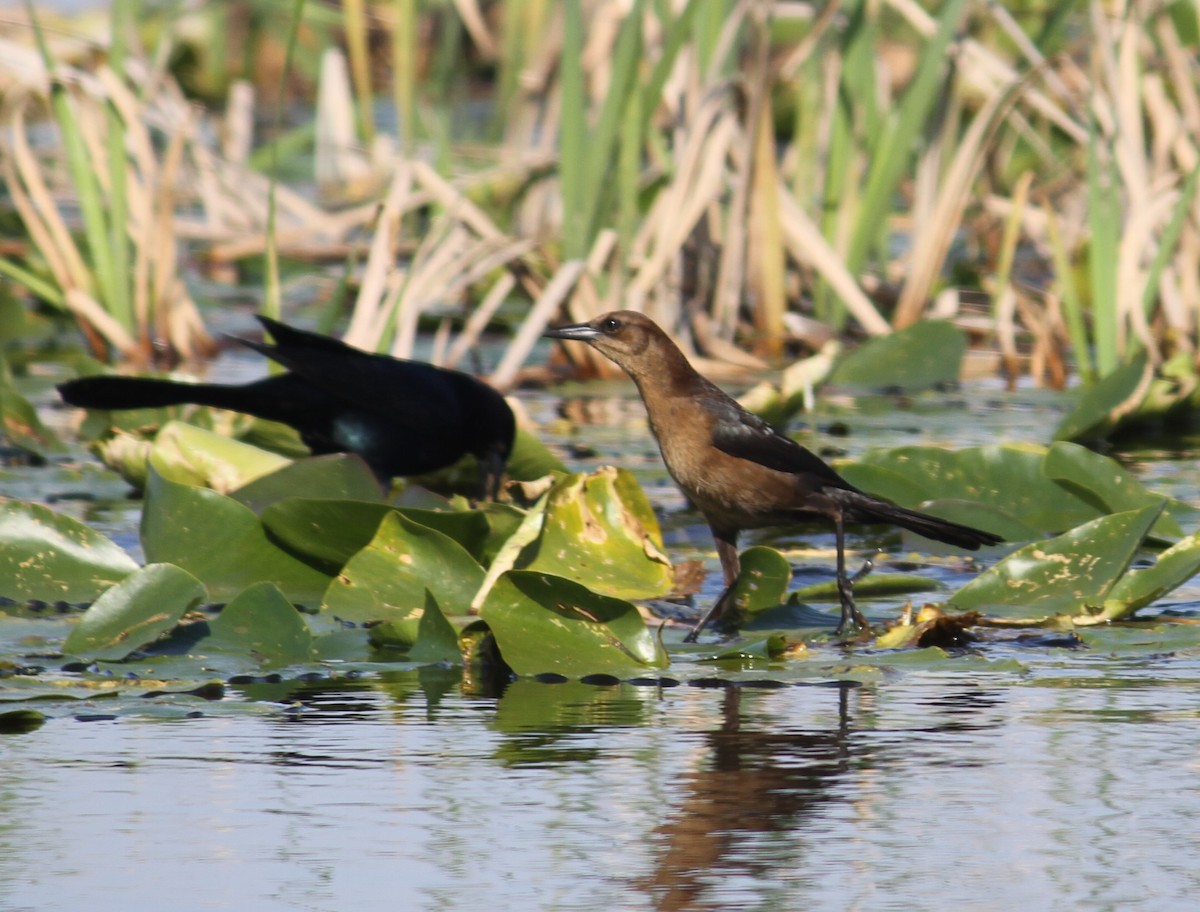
581, 332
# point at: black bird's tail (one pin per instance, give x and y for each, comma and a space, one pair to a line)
115, 393
863, 508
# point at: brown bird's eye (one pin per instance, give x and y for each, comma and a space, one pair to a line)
611, 325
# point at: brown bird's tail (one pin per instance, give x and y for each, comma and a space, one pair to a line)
863, 508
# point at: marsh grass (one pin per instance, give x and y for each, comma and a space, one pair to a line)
729, 167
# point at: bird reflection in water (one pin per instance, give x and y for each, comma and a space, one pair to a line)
757, 782
760, 783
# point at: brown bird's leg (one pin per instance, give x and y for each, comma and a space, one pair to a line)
845, 584
730, 567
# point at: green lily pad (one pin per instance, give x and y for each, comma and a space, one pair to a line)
1072, 574
531, 459
547, 624
219, 541
1145, 585
768, 647
20, 422
873, 585
20, 721
762, 584
47, 556
1006, 477
1102, 406
387, 580
1108, 486
191, 455
435, 638
326, 533
135, 612
600, 530
928, 353
337, 476
260, 623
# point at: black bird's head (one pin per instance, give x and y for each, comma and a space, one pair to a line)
632, 340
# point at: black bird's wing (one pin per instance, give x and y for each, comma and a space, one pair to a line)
403, 417
739, 433
410, 395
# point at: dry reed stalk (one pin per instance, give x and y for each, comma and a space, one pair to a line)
544, 308
808, 246
931, 244
479, 318
985, 72
366, 327
698, 183
341, 167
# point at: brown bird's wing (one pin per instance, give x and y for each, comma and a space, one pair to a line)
739, 433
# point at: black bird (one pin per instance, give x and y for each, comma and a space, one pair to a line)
738, 470
401, 417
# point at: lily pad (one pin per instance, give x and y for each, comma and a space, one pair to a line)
531, 459
219, 541
20, 721
435, 638
261, 624
336, 476
547, 624
876, 584
187, 454
1102, 406
1109, 487
20, 422
387, 580
1145, 585
762, 584
44, 555
134, 612
1072, 574
326, 533
928, 353
600, 530
1006, 477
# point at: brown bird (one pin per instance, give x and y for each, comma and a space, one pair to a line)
738, 470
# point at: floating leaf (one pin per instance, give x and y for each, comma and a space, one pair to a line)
600, 530
54, 558
874, 584
20, 721
259, 622
1071, 574
531, 459
928, 353
1142, 586
547, 624
219, 541
1107, 485
1104, 404
190, 455
134, 612
1007, 477
20, 422
387, 580
761, 584
337, 476
435, 638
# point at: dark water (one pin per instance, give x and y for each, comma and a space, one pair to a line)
1011, 777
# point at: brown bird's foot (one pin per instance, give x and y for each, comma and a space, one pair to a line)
714, 613
851, 616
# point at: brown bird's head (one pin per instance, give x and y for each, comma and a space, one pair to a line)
632, 340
